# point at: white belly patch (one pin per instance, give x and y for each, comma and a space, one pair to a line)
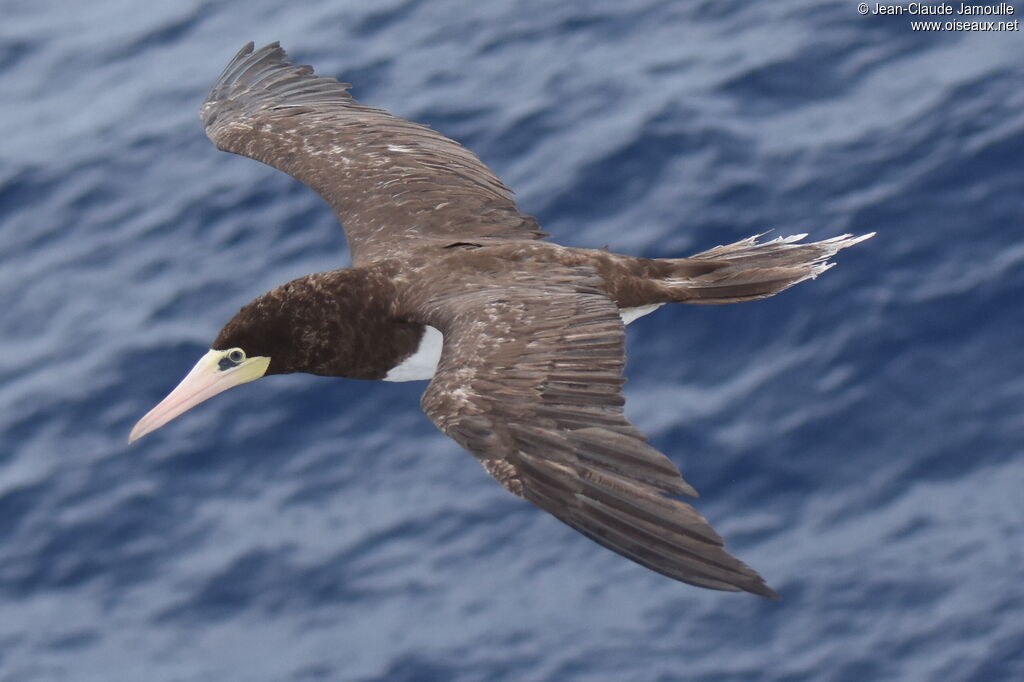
422, 364
632, 314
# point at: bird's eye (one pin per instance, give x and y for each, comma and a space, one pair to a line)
231, 359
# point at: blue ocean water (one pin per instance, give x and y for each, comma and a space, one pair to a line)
857, 439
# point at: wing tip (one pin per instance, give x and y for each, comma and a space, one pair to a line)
744, 579
759, 587
263, 79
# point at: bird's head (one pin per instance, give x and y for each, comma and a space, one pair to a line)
248, 347
328, 324
222, 367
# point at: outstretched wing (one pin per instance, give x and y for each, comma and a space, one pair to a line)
394, 184
530, 382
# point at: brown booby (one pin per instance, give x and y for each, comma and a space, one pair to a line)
523, 340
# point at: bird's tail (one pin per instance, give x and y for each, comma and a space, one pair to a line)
748, 270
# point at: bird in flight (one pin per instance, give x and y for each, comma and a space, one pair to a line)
523, 340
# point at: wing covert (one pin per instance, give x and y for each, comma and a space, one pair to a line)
393, 183
530, 383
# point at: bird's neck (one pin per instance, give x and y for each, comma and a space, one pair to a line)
339, 323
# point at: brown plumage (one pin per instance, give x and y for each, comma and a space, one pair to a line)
392, 182
530, 376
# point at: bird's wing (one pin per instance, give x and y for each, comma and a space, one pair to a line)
530, 382
394, 184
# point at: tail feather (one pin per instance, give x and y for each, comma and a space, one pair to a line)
748, 270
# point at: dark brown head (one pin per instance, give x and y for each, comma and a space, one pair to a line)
280, 325
331, 324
